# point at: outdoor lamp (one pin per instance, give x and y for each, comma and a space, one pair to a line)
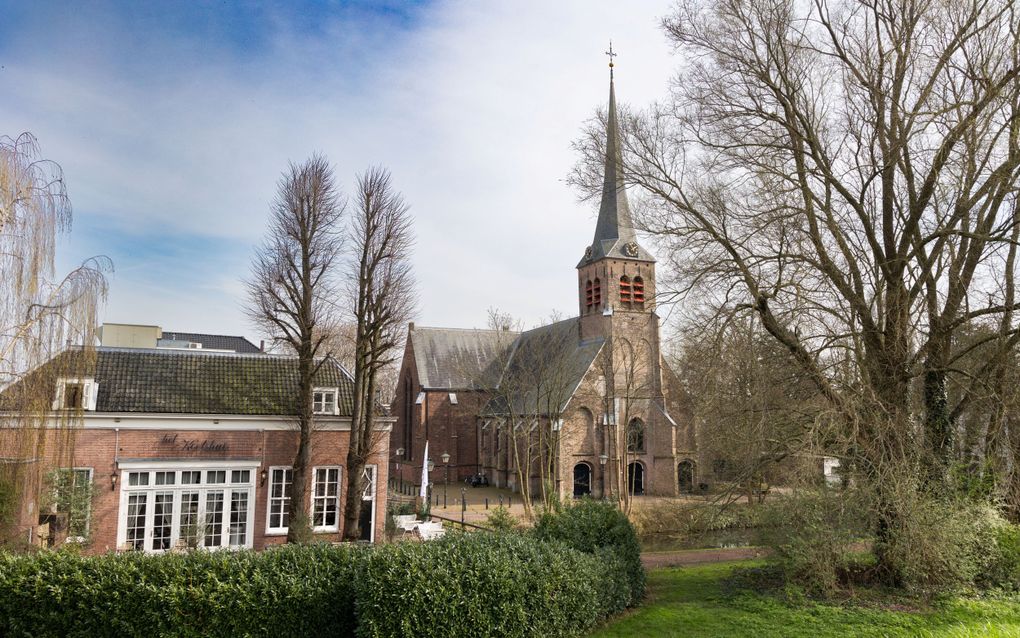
432, 465
602, 459
113, 481
263, 475
400, 451
446, 457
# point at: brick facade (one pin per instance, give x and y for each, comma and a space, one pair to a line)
107, 450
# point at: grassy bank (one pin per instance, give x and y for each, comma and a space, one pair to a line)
693, 602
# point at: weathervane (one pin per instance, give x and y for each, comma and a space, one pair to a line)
611, 56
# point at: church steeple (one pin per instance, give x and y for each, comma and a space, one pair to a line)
614, 231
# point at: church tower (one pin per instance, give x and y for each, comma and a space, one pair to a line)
616, 276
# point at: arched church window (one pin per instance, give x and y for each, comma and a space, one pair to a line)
636, 436
588, 295
638, 290
596, 292
625, 290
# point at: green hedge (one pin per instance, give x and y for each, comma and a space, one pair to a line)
286, 591
599, 528
502, 584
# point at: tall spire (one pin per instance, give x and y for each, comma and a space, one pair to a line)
614, 231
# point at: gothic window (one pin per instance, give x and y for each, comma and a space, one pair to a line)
596, 292
638, 290
588, 295
636, 436
625, 290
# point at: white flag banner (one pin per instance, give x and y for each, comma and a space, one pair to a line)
425, 474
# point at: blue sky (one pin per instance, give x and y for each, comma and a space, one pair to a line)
173, 121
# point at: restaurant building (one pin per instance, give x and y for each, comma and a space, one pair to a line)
187, 440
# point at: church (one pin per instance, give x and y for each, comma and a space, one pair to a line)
585, 406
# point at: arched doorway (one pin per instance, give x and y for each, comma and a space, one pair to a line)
636, 478
685, 476
582, 480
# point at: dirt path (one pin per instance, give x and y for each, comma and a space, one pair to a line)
686, 558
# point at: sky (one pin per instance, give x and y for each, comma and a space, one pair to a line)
173, 122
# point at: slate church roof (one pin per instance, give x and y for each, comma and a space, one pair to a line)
545, 368
457, 358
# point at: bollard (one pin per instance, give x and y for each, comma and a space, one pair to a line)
463, 505
501, 500
510, 501
486, 502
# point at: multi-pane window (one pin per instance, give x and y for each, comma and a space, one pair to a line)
167, 508
636, 436
279, 498
72, 497
191, 528
326, 499
136, 520
324, 401
162, 520
214, 519
238, 519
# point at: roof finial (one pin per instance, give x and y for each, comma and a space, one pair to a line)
611, 56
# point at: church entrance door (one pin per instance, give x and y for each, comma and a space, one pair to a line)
685, 476
636, 478
582, 480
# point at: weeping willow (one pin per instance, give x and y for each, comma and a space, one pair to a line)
43, 318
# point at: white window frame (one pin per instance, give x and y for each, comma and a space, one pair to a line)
335, 409
339, 484
227, 489
275, 531
89, 392
90, 472
373, 470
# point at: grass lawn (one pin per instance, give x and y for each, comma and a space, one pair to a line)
690, 602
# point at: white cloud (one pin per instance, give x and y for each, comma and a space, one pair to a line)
473, 110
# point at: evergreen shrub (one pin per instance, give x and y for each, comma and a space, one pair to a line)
599, 527
286, 591
501, 584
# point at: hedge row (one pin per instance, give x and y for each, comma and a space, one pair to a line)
287, 591
576, 569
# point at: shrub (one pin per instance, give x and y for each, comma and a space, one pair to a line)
482, 585
501, 520
810, 534
285, 591
1004, 569
598, 527
940, 545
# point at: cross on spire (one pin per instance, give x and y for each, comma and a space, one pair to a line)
611, 56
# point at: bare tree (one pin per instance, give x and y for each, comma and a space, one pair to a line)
39, 316
384, 300
291, 293
846, 172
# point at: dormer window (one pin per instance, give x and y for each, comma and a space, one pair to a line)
324, 401
76, 394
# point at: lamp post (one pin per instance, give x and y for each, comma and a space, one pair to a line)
602, 461
446, 462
